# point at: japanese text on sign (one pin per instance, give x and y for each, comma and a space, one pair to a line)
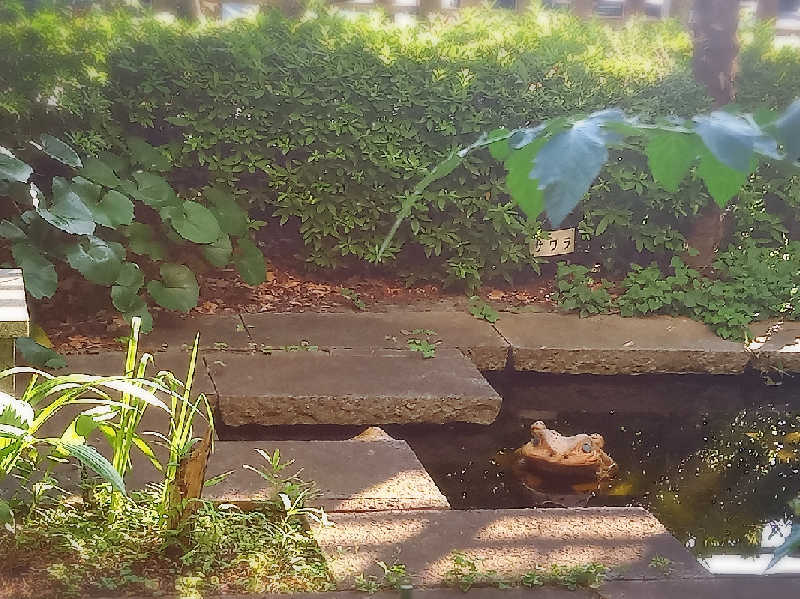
559, 242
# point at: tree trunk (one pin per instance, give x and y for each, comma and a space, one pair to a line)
715, 49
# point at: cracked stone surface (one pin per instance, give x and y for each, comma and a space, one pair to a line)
382, 330
566, 343
511, 542
350, 387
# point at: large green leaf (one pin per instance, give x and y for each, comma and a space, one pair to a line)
98, 171
89, 457
98, 260
721, 181
788, 130
55, 148
570, 161
524, 192
231, 217
670, 155
177, 289
137, 307
38, 272
124, 292
154, 191
12, 169
250, 262
142, 241
194, 222
88, 192
68, 211
113, 210
730, 138
148, 157
500, 149
36, 354
12, 232
219, 253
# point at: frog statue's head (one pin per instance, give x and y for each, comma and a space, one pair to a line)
578, 456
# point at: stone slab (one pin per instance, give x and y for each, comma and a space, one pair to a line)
777, 346
14, 318
377, 330
566, 343
511, 542
350, 387
729, 587
176, 332
350, 476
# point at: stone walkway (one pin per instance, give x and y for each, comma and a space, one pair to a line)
358, 369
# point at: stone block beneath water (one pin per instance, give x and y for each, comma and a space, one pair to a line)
568, 344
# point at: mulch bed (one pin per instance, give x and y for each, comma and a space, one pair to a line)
80, 318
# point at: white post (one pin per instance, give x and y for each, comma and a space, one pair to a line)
14, 319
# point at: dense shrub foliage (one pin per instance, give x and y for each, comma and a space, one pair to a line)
325, 124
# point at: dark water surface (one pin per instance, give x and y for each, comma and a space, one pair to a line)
715, 458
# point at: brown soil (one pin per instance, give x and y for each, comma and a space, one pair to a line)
80, 317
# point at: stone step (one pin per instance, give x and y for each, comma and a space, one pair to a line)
566, 343
348, 476
511, 542
350, 387
382, 330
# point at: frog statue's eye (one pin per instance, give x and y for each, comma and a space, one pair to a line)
587, 447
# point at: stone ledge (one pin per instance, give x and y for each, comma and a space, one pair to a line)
566, 343
382, 330
350, 387
512, 542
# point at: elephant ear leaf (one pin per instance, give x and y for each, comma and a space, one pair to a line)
146, 156
12, 169
39, 274
177, 289
570, 161
250, 262
58, 150
37, 354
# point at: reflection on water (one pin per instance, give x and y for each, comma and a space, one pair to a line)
716, 459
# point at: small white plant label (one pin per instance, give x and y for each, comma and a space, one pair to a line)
560, 242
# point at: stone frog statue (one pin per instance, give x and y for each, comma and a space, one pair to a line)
573, 460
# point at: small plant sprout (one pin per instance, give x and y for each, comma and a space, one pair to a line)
354, 297
421, 340
482, 310
465, 574
661, 563
367, 584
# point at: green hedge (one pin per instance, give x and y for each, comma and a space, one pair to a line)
327, 122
